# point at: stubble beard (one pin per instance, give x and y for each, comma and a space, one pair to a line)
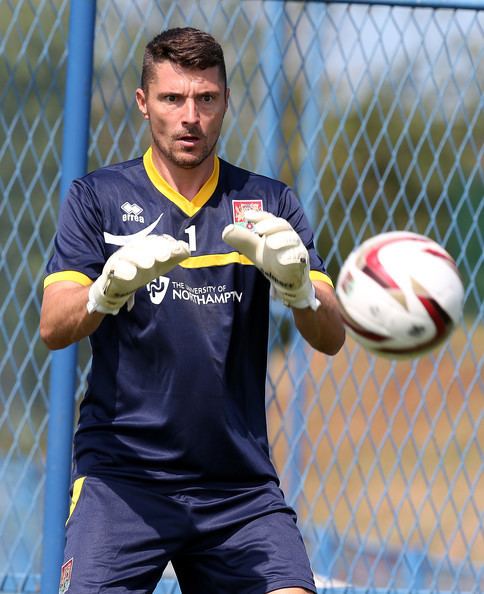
185, 159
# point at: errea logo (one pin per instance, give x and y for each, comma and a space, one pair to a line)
132, 212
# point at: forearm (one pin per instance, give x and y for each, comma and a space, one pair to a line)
323, 329
64, 317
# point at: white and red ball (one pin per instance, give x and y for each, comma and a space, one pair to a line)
400, 294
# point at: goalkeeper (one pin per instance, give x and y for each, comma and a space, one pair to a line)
168, 263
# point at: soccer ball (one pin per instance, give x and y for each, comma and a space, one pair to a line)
400, 294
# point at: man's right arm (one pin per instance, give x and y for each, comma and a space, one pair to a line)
64, 318
71, 311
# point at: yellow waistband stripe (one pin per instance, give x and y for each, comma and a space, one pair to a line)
76, 493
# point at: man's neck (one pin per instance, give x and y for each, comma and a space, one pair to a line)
186, 181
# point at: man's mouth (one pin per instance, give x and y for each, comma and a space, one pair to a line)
189, 138
189, 135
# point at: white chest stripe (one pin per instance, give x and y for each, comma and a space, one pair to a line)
124, 239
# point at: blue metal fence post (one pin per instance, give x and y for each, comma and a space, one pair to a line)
271, 112
270, 122
64, 363
323, 552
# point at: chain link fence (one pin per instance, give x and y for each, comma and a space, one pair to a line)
375, 115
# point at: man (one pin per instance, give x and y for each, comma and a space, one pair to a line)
166, 262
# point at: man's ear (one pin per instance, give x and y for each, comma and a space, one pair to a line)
141, 101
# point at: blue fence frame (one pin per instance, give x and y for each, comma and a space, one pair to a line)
64, 362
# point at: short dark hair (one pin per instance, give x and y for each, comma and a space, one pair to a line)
187, 47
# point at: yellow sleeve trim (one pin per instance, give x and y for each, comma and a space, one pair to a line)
76, 493
315, 275
67, 275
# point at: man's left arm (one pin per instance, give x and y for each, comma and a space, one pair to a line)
322, 328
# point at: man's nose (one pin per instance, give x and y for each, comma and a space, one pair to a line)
191, 113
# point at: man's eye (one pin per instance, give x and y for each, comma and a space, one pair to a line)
170, 98
207, 98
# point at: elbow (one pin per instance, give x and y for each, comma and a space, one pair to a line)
337, 343
45, 334
50, 338
332, 344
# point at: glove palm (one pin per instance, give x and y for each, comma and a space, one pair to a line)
277, 250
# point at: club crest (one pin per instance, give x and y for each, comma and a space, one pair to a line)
238, 210
66, 573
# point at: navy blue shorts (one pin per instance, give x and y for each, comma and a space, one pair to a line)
121, 535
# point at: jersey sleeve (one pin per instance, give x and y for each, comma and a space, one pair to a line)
291, 210
79, 250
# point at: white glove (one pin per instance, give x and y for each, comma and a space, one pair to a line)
278, 252
131, 267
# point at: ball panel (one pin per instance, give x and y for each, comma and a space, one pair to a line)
360, 330
413, 351
400, 294
374, 266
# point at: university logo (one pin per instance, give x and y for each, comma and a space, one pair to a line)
66, 573
157, 289
132, 212
238, 210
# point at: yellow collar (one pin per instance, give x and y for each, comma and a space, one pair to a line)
189, 207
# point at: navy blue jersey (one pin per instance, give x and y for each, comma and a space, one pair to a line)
176, 387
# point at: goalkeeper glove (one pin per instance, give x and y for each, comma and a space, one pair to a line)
132, 266
278, 252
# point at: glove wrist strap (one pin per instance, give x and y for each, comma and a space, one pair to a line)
93, 303
93, 306
301, 299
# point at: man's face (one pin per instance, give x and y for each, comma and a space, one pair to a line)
185, 109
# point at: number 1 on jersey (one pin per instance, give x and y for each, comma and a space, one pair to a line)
192, 238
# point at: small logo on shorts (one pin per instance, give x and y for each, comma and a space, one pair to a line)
66, 573
240, 206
